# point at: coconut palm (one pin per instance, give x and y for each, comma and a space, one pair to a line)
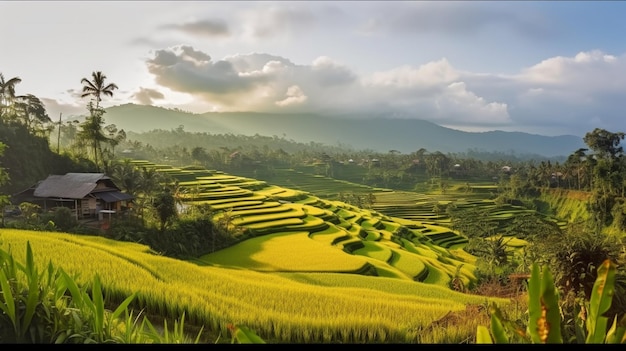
7, 93
577, 161
91, 133
96, 87
92, 127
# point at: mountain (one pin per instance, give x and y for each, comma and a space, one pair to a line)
376, 133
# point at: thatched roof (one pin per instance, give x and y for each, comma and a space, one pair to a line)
71, 185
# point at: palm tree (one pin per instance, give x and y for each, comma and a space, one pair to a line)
7, 93
96, 87
577, 161
92, 127
128, 176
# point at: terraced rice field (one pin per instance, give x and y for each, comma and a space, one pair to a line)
277, 219
420, 207
432, 252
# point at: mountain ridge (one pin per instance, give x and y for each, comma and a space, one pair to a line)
374, 132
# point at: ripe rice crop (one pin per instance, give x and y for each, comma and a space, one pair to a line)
276, 307
284, 252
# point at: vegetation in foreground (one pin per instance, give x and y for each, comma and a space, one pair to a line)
48, 307
592, 325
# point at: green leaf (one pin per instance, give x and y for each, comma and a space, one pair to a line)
600, 302
483, 336
70, 284
123, 306
8, 307
32, 299
534, 303
497, 326
616, 334
98, 303
550, 302
243, 335
151, 333
544, 322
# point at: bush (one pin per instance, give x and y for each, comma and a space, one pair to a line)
64, 219
594, 325
575, 255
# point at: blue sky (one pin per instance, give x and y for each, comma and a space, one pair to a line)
546, 67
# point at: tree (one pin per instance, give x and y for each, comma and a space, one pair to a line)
165, 207
116, 136
604, 143
93, 125
7, 94
199, 155
32, 112
96, 87
608, 173
128, 177
149, 182
577, 161
91, 133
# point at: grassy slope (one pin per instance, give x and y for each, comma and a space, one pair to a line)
568, 204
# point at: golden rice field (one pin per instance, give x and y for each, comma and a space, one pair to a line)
281, 300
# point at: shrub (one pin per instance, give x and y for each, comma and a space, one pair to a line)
64, 219
544, 317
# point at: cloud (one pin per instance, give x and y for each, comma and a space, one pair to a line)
435, 91
457, 105
577, 90
424, 77
271, 20
585, 69
265, 82
184, 69
203, 28
145, 96
571, 94
329, 73
55, 109
294, 96
456, 19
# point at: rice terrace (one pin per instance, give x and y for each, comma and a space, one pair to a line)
311, 269
362, 283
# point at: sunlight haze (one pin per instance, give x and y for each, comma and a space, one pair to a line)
549, 68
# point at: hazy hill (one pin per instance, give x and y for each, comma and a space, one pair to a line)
375, 133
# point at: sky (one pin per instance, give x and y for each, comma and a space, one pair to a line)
545, 67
